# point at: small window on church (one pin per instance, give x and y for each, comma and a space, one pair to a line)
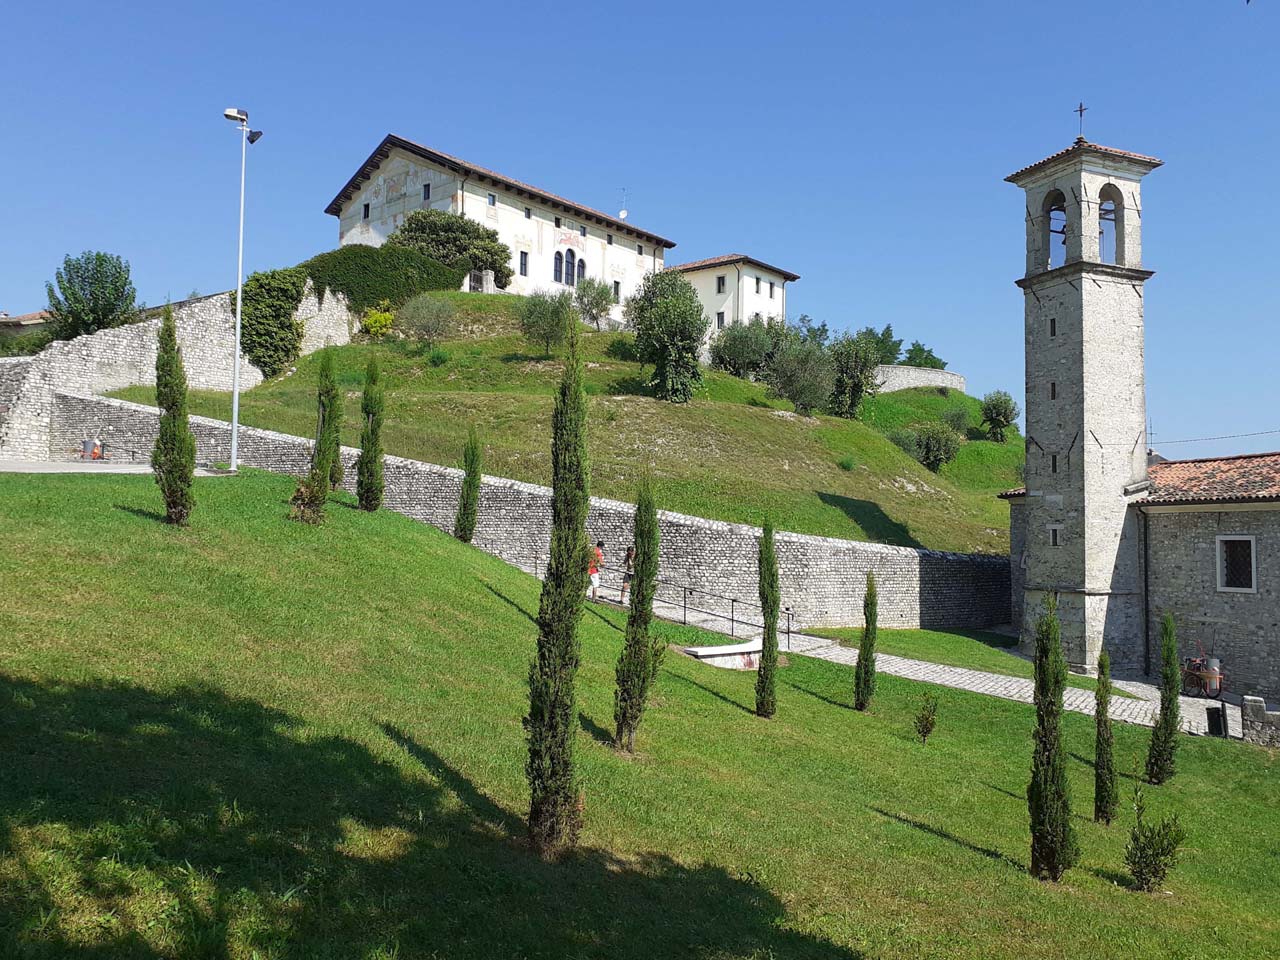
1055, 535
1053, 390
1053, 326
558, 272
426, 192
1053, 463
1237, 565
719, 284
365, 214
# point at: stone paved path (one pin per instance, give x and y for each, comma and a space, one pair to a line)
90, 466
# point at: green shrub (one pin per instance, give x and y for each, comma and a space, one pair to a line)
1164, 735
926, 717
438, 357
376, 322
939, 445
854, 361
670, 326
999, 413
846, 463
906, 440
25, 344
369, 479
957, 418
368, 275
742, 348
1152, 850
802, 373
271, 333
464, 525
426, 318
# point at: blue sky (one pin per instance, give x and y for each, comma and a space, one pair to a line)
862, 146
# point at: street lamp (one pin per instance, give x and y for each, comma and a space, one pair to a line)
247, 136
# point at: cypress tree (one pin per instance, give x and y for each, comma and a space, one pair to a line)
766, 692
173, 461
308, 500
641, 655
464, 526
1104, 769
1164, 736
864, 674
331, 429
1053, 841
554, 813
369, 483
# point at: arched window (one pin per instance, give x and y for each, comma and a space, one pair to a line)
1110, 225
582, 269
569, 268
559, 268
1053, 233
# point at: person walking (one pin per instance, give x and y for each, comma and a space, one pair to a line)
628, 574
594, 563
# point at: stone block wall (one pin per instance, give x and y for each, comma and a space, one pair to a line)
1258, 724
13, 370
822, 578
126, 356
897, 377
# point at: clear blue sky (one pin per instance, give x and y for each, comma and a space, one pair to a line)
862, 146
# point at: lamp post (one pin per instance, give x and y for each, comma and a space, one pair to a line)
247, 136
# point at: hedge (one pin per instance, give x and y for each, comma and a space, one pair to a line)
368, 275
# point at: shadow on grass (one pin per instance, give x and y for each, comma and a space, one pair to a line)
622, 347
597, 732
1113, 876
987, 852
875, 523
818, 696
195, 823
154, 515
511, 603
715, 693
635, 385
1088, 762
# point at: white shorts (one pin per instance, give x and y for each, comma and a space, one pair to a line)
595, 581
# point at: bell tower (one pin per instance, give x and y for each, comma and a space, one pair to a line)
1085, 398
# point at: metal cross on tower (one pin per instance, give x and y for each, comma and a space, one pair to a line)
1080, 110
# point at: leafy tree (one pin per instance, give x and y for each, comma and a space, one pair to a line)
331, 427
853, 361
551, 725
637, 666
670, 326
766, 688
806, 331
1164, 736
938, 444
926, 717
369, 484
864, 674
918, 355
464, 526
455, 240
1054, 848
1104, 769
999, 413
308, 500
802, 373
742, 349
593, 298
887, 348
173, 461
545, 317
426, 318
94, 292
1152, 850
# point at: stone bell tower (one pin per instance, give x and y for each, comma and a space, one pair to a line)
1085, 398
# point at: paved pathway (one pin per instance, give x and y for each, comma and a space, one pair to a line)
90, 466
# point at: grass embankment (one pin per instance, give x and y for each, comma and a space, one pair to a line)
257, 739
732, 454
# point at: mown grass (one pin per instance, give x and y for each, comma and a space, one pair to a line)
731, 454
253, 739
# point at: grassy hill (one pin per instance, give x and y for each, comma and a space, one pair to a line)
732, 454
253, 739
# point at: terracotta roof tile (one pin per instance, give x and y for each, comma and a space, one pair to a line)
728, 259
1250, 476
1081, 145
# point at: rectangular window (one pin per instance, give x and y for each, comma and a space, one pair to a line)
493, 199
1053, 463
720, 320
719, 284
426, 192
1053, 390
1053, 327
365, 214
757, 284
639, 249
582, 231
608, 238
617, 291
770, 289
524, 263
528, 213
1055, 535
557, 223
1237, 565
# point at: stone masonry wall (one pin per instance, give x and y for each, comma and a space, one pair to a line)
1258, 724
822, 578
126, 356
13, 370
897, 377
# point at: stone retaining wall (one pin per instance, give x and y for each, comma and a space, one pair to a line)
822, 578
898, 377
126, 356
1259, 725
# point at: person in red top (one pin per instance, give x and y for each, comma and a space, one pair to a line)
594, 562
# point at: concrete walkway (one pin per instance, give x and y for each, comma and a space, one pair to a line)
90, 466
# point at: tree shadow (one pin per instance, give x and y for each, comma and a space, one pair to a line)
818, 696
1088, 762
633, 385
623, 348
1008, 793
715, 693
1113, 876
875, 523
987, 852
509, 602
519, 356
140, 512
597, 732
191, 822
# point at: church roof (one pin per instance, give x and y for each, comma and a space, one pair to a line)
1083, 146
458, 165
728, 259
1246, 478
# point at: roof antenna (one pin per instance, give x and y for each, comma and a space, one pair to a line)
622, 214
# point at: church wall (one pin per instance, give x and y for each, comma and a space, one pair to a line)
822, 578
1242, 629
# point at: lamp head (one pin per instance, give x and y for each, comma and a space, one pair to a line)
236, 115
255, 136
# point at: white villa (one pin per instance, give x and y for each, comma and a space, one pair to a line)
554, 242
734, 288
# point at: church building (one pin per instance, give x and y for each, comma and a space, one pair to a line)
554, 242
1118, 540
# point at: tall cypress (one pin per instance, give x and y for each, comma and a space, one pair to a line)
1104, 768
369, 482
331, 429
1164, 736
308, 500
1054, 849
464, 527
864, 675
766, 688
552, 721
638, 663
173, 460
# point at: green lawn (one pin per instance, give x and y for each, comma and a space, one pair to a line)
731, 454
253, 739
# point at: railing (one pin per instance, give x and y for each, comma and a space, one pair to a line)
741, 616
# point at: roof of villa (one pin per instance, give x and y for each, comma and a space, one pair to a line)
1246, 478
25, 319
1082, 146
728, 259
458, 165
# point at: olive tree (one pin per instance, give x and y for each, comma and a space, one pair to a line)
802, 373
667, 317
999, 413
593, 298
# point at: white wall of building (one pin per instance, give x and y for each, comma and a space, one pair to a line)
396, 189
738, 300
